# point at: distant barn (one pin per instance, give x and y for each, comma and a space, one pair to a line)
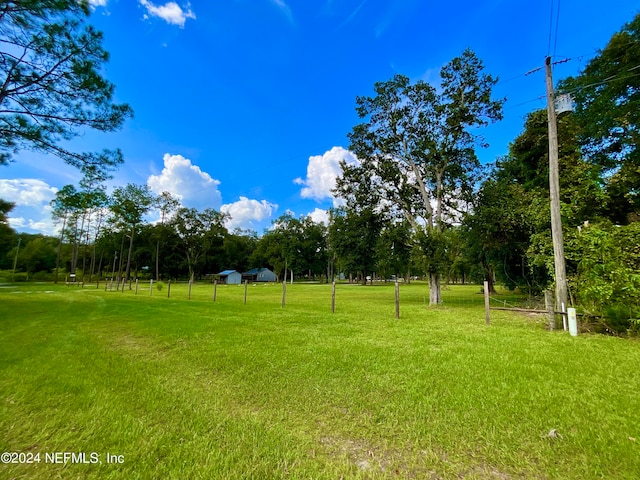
230, 277
259, 275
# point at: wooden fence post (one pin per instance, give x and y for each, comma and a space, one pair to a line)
136, 286
333, 297
246, 283
151, 287
215, 289
169, 289
549, 304
397, 299
487, 306
190, 283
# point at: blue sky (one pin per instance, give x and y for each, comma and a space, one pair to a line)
244, 105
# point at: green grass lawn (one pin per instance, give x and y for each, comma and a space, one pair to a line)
196, 389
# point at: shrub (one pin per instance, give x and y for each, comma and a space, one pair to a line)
607, 279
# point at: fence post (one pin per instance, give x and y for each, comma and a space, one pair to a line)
487, 306
573, 322
284, 293
136, 286
548, 303
333, 297
169, 289
215, 289
397, 299
190, 283
246, 283
151, 287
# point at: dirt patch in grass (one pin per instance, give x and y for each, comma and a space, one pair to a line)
377, 461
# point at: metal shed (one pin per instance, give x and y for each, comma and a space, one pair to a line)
231, 277
260, 275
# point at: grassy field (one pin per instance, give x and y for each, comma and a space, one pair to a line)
151, 387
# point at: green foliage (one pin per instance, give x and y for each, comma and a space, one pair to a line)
353, 236
393, 250
293, 244
607, 280
52, 84
7, 234
200, 233
159, 286
608, 112
417, 150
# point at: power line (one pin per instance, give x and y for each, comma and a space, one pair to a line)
555, 42
620, 76
550, 29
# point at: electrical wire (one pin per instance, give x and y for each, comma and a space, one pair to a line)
555, 42
550, 29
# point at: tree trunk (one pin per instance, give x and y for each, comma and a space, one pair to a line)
488, 276
434, 289
157, 261
64, 222
489, 279
129, 257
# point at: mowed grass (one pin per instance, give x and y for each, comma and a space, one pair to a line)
196, 389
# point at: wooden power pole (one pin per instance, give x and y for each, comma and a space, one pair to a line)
554, 189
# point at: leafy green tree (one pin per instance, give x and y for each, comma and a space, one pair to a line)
63, 206
283, 245
199, 232
7, 234
418, 146
238, 248
129, 206
353, 237
38, 254
269, 252
51, 82
607, 99
498, 233
393, 250
508, 230
311, 247
167, 205
606, 280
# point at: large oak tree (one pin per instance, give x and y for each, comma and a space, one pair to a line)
417, 143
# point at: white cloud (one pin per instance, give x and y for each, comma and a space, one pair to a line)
319, 216
170, 12
98, 3
32, 212
246, 211
187, 182
27, 192
322, 171
17, 223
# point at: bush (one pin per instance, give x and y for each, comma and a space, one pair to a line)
159, 286
607, 280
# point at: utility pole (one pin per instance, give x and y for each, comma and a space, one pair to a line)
554, 190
